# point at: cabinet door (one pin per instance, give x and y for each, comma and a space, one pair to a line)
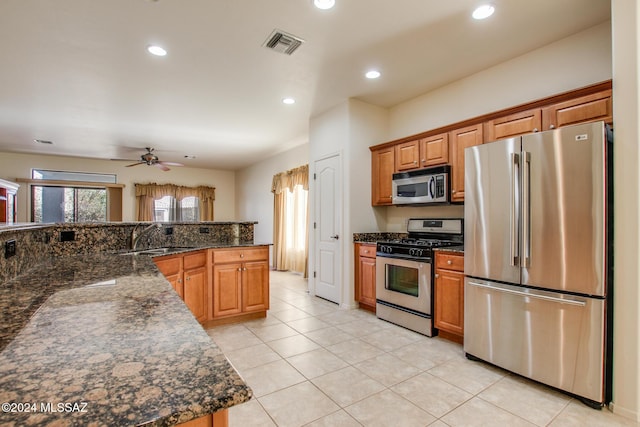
367, 281
407, 156
382, 169
461, 139
589, 108
195, 292
434, 150
449, 301
513, 125
255, 286
227, 288
176, 283
171, 268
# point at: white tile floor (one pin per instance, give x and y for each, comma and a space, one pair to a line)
311, 363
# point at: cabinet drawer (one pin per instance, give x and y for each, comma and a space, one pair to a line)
368, 251
240, 255
450, 262
195, 260
169, 265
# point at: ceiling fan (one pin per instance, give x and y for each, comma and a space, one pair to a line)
151, 159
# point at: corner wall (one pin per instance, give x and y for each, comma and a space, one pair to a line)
626, 117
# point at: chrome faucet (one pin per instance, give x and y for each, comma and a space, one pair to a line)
136, 238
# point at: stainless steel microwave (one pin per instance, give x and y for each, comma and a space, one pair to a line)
421, 187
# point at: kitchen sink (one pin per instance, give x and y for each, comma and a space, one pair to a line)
160, 251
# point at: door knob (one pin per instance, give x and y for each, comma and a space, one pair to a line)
335, 236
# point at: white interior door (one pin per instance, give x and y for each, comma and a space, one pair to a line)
328, 216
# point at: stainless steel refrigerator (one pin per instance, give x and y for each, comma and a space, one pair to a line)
538, 258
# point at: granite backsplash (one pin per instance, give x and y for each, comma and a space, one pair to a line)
38, 243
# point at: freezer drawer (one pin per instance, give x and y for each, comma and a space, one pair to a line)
552, 338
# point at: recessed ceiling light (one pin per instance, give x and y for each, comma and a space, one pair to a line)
43, 141
373, 74
483, 12
324, 4
156, 50
288, 101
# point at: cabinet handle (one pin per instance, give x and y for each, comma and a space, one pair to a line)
535, 129
552, 127
415, 162
179, 280
436, 276
239, 269
241, 255
449, 262
453, 191
189, 278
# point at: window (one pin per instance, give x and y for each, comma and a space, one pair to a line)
68, 204
61, 196
170, 209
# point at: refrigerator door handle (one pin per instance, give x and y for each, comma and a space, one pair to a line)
532, 294
526, 210
514, 253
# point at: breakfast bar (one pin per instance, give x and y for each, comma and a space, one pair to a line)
103, 339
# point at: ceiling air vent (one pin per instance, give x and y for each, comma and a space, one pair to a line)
283, 42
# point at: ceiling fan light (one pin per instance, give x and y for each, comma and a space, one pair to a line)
483, 12
324, 4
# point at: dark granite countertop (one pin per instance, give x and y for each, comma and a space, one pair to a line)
459, 249
106, 335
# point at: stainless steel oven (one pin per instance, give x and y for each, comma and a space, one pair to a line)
403, 292
404, 272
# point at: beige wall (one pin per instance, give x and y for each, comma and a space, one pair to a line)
626, 116
14, 166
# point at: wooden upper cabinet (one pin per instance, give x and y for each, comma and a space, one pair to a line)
513, 125
588, 108
407, 156
461, 139
434, 150
382, 169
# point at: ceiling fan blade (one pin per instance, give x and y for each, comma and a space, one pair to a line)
161, 166
134, 164
170, 163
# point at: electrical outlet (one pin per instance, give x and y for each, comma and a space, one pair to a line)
168, 231
67, 236
204, 230
9, 248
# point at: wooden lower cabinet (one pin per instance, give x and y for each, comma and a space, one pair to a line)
187, 273
240, 282
227, 288
220, 283
365, 275
449, 295
217, 419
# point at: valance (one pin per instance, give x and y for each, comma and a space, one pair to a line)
158, 191
289, 179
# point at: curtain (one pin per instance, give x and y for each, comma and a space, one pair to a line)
290, 215
147, 193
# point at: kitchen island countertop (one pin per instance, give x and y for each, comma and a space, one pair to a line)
103, 339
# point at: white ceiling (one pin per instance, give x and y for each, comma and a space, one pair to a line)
76, 72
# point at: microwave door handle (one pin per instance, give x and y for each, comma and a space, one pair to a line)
432, 188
